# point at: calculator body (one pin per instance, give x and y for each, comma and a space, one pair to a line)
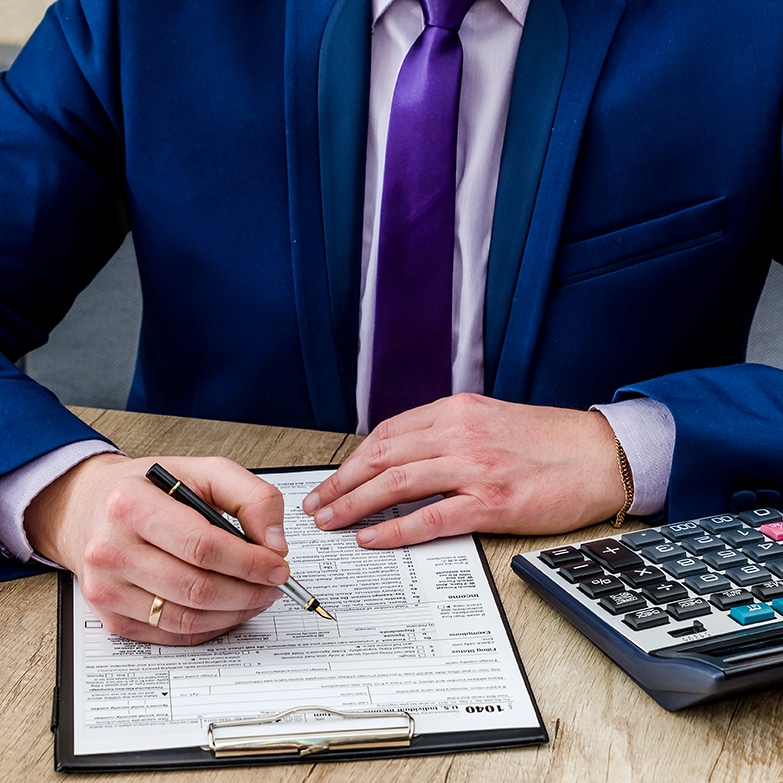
692, 611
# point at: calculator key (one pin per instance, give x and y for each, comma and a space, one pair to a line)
664, 591
724, 558
775, 567
601, 585
612, 554
742, 536
725, 599
750, 574
681, 530
660, 553
685, 566
753, 613
637, 539
760, 516
576, 572
766, 591
720, 523
555, 558
777, 605
690, 607
698, 545
763, 552
620, 603
646, 618
711, 582
773, 530
643, 575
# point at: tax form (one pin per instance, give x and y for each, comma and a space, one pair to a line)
418, 630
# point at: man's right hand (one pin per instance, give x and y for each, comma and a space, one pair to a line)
128, 542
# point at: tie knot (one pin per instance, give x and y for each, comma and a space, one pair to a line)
445, 13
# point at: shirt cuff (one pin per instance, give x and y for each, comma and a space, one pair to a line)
20, 486
646, 431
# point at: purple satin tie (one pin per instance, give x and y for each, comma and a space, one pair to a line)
412, 341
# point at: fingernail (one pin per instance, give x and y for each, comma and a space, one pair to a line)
323, 517
366, 536
310, 503
278, 575
274, 538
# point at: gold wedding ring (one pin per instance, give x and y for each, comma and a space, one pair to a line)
155, 610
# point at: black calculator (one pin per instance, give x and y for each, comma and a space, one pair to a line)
692, 611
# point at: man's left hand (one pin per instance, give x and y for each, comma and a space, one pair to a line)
500, 467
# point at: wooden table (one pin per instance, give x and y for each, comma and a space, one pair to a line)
602, 727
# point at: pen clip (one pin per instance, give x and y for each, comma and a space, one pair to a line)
307, 730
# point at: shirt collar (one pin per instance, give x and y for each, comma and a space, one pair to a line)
517, 9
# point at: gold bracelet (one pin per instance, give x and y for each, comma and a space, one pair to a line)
625, 475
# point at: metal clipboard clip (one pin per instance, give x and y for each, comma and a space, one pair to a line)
306, 730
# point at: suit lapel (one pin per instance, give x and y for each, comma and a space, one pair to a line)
535, 89
591, 24
343, 110
332, 407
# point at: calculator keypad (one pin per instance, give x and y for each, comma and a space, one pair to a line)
653, 584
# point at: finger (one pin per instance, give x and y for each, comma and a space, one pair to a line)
118, 589
142, 631
384, 448
183, 533
174, 618
230, 488
198, 589
450, 516
396, 485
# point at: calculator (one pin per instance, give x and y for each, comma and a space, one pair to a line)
691, 611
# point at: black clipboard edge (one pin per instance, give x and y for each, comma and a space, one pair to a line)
65, 760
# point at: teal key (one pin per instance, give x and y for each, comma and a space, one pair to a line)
752, 613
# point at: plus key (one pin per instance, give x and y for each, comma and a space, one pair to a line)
612, 554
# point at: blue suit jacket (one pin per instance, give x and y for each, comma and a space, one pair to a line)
639, 206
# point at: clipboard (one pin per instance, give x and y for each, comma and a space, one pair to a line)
301, 733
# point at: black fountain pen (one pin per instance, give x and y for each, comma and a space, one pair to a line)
160, 477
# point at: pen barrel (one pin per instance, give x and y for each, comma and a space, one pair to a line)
296, 592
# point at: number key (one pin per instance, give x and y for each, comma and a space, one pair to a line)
685, 566
711, 582
681, 530
750, 574
660, 553
698, 545
763, 552
719, 524
724, 558
760, 516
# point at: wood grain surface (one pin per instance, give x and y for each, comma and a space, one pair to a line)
602, 727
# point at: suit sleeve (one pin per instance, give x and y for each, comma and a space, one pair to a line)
62, 205
728, 452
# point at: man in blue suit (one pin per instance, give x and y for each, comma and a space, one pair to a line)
616, 249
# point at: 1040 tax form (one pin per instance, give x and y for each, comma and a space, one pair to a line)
419, 631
